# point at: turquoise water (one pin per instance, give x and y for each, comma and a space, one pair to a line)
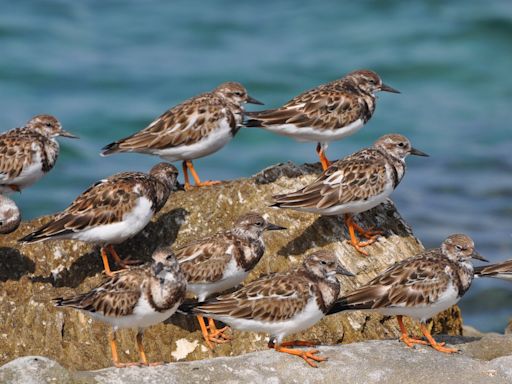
106, 69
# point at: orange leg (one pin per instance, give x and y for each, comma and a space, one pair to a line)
14, 187
371, 234
323, 160
437, 346
140, 346
106, 266
198, 182
356, 243
185, 175
217, 335
409, 341
122, 263
204, 331
309, 356
115, 356
299, 343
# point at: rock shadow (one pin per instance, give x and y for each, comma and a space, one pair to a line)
329, 229
140, 248
14, 265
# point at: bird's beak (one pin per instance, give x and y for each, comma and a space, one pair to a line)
478, 256
252, 100
387, 88
341, 270
417, 152
273, 227
157, 268
64, 133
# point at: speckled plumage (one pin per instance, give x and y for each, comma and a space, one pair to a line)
420, 286
188, 124
355, 183
281, 303
226, 257
10, 216
29, 152
109, 202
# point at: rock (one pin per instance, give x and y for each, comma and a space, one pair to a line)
383, 362
31, 275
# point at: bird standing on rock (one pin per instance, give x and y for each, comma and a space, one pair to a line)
193, 129
326, 113
355, 184
111, 211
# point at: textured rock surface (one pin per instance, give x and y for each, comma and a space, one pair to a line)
30, 275
486, 360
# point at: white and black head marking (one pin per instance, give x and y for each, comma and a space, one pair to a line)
48, 126
253, 225
235, 93
398, 146
460, 247
369, 82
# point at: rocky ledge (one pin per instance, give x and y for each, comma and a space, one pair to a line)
31, 275
485, 360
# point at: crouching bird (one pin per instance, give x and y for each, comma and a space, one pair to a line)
137, 297
419, 287
281, 304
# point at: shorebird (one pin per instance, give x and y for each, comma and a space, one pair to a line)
282, 303
111, 211
29, 152
138, 297
223, 261
419, 287
193, 129
355, 184
326, 113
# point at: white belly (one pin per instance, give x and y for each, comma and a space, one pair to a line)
203, 290
28, 176
143, 316
116, 233
304, 320
315, 134
208, 145
424, 312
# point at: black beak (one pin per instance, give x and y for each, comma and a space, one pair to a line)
273, 227
341, 270
252, 100
157, 268
64, 133
387, 88
417, 152
477, 256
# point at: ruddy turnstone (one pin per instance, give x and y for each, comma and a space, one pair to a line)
326, 113
111, 211
355, 184
419, 287
136, 297
222, 261
501, 270
193, 129
28, 153
10, 216
282, 303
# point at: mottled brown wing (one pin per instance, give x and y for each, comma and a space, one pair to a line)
325, 107
347, 180
277, 297
117, 296
105, 202
185, 124
415, 281
16, 152
205, 260
494, 269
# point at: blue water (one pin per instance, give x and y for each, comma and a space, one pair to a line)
107, 69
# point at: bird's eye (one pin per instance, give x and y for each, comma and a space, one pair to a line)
49, 125
259, 223
401, 144
459, 248
323, 262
